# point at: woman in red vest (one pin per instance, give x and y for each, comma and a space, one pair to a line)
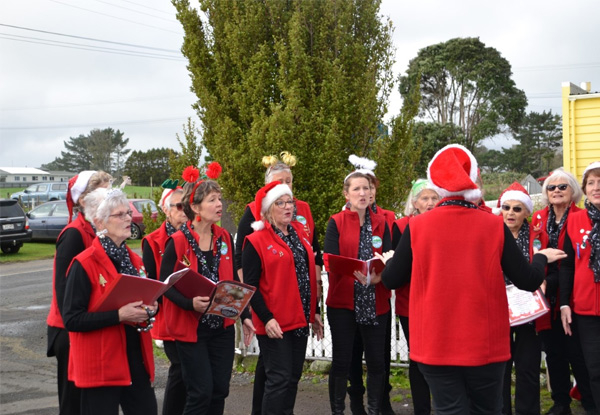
454, 257
153, 247
357, 233
526, 350
206, 345
74, 239
420, 200
560, 195
111, 361
580, 277
278, 260
278, 170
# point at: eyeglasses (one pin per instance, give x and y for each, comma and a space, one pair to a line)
561, 187
515, 209
179, 206
282, 204
122, 215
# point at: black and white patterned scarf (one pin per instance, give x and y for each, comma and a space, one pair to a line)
552, 228
594, 239
210, 272
301, 267
169, 228
118, 255
458, 202
364, 296
522, 241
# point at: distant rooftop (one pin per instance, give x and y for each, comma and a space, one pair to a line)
22, 170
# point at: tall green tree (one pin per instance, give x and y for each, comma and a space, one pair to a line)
467, 84
310, 77
191, 150
540, 138
99, 150
149, 167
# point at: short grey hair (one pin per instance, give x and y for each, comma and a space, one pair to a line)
556, 175
277, 168
100, 203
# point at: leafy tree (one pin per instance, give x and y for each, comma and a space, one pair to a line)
540, 138
191, 150
309, 77
467, 84
99, 150
490, 161
149, 167
432, 136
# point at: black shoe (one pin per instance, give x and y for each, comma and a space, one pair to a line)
558, 409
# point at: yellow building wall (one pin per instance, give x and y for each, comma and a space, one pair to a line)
581, 128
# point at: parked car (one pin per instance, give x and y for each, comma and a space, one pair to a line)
42, 192
14, 226
137, 220
48, 220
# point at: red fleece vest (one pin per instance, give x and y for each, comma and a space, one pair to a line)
87, 235
182, 324
458, 306
278, 282
157, 241
303, 215
402, 293
341, 287
99, 357
586, 292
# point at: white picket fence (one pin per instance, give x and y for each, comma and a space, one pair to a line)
321, 350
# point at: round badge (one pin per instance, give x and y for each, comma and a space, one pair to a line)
229, 312
537, 244
224, 248
301, 219
377, 242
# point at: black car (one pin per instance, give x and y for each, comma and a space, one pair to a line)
48, 220
14, 226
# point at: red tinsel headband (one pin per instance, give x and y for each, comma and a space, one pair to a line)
191, 174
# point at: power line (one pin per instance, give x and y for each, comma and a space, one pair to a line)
115, 17
135, 11
92, 39
557, 67
97, 49
94, 124
122, 101
147, 7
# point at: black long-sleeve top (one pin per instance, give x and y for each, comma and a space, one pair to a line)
245, 229
566, 273
524, 275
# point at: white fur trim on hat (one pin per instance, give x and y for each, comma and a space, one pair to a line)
519, 197
163, 197
267, 200
593, 165
81, 183
448, 176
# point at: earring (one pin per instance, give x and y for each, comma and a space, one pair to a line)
198, 218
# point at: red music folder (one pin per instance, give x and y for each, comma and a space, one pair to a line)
227, 298
346, 266
525, 306
127, 289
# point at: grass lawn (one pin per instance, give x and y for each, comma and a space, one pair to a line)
31, 251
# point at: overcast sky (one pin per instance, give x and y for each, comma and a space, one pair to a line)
49, 93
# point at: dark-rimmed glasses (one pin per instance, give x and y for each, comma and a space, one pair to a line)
122, 215
516, 209
553, 187
282, 204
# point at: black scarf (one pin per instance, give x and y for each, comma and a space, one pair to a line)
458, 202
169, 228
211, 272
364, 295
554, 228
118, 255
594, 239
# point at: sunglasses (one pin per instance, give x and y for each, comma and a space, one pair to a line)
179, 206
561, 187
515, 209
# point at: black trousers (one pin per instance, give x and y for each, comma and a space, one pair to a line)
283, 362
459, 390
258, 389
206, 369
69, 396
343, 330
137, 399
555, 345
526, 355
356, 386
175, 395
589, 334
419, 389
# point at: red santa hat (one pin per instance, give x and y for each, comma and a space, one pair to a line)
516, 192
453, 172
265, 198
76, 187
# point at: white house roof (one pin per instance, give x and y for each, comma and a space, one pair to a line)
22, 170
